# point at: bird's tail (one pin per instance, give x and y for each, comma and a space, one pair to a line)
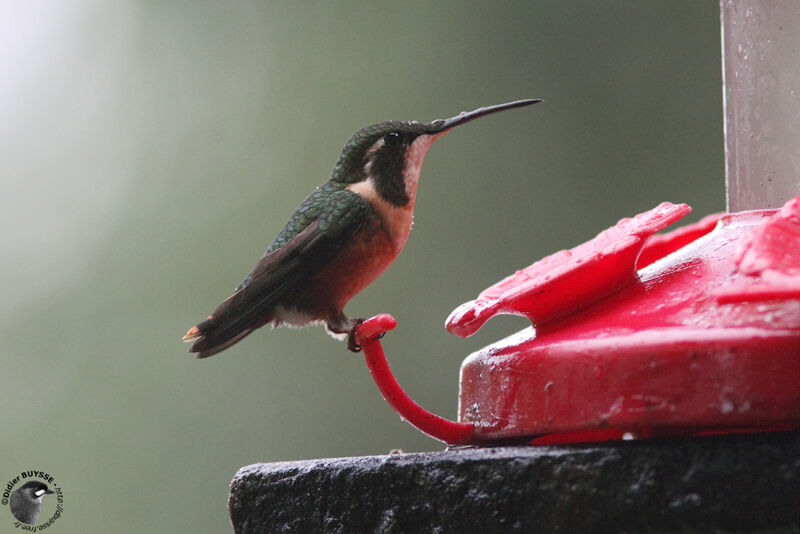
212, 336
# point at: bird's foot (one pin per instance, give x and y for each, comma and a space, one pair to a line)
352, 338
352, 343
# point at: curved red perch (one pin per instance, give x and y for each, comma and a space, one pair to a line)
368, 334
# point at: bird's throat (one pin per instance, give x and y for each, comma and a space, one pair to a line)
415, 155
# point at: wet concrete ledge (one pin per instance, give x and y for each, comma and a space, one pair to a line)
735, 483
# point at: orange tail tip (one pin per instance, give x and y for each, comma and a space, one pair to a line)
192, 334
195, 332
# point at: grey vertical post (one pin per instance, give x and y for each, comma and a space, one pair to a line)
761, 75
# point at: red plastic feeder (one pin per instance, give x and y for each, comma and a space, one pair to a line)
696, 331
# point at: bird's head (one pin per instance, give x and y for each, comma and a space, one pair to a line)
35, 490
389, 155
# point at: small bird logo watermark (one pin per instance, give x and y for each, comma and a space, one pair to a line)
25, 493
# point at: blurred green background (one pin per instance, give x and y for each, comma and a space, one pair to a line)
150, 151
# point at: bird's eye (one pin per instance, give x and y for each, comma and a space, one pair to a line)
392, 139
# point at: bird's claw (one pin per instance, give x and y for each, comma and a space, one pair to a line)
352, 338
352, 346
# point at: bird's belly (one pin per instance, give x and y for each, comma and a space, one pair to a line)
360, 262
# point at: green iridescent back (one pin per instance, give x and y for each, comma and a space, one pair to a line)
305, 214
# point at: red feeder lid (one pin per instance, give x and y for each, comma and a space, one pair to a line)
704, 336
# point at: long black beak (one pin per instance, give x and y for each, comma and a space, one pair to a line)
442, 125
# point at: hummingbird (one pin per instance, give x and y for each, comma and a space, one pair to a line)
338, 241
